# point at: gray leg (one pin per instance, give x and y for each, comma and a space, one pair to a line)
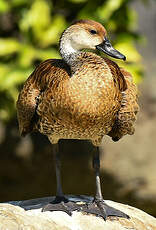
60, 203
102, 209
56, 154
96, 166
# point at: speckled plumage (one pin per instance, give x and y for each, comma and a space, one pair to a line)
85, 99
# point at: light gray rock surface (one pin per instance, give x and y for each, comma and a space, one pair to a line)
13, 217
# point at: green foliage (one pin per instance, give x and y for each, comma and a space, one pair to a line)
30, 31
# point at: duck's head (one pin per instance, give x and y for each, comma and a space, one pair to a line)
87, 34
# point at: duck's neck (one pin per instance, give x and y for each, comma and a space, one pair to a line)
67, 51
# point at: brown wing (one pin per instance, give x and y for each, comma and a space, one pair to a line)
47, 74
126, 116
117, 74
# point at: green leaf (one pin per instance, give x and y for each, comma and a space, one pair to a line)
8, 46
38, 17
4, 6
27, 55
18, 3
129, 51
106, 10
77, 1
12, 75
52, 34
47, 54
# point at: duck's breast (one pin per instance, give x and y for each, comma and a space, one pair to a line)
92, 91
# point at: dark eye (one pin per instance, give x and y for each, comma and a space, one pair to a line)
93, 32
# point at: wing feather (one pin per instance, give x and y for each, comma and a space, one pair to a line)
126, 116
46, 75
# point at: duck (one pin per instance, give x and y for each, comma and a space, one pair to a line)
82, 96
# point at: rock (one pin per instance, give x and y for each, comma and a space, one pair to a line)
13, 217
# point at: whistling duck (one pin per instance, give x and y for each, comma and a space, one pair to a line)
81, 96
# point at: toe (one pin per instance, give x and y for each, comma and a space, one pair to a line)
57, 207
109, 211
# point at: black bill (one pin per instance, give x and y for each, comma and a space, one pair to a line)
107, 48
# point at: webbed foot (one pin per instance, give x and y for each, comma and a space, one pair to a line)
100, 208
62, 204
96, 207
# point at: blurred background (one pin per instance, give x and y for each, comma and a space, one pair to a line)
29, 33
